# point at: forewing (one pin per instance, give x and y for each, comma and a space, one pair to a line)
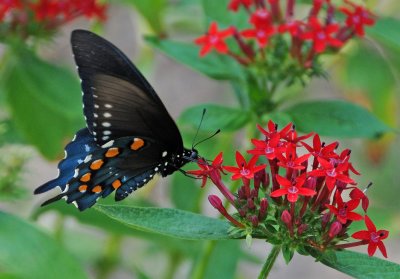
118, 101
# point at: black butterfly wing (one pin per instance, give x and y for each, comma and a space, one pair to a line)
129, 136
121, 165
118, 101
75, 152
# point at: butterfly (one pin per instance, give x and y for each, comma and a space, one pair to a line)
130, 136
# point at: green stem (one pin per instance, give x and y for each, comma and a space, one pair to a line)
174, 261
110, 259
59, 228
201, 267
269, 263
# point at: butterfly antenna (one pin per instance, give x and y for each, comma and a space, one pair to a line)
198, 128
207, 138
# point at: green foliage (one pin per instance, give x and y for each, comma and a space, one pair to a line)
167, 221
217, 11
217, 117
12, 164
44, 102
336, 118
152, 11
386, 31
362, 266
213, 65
111, 226
26, 252
185, 193
222, 262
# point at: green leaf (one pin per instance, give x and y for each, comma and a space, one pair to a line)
386, 30
98, 220
287, 253
217, 117
380, 91
171, 222
44, 101
336, 118
362, 266
27, 252
218, 11
152, 11
213, 65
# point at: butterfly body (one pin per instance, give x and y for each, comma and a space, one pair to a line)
130, 136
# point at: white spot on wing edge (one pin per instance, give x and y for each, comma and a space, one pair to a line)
106, 132
164, 153
106, 124
87, 158
108, 105
108, 144
107, 115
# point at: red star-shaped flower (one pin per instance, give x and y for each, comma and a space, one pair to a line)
343, 211
291, 161
207, 170
357, 194
268, 147
273, 130
332, 173
214, 39
261, 34
261, 18
321, 35
292, 189
293, 27
320, 150
357, 18
372, 237
244, 169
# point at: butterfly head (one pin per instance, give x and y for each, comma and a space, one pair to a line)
190, 155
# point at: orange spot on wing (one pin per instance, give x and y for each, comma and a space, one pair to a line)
83, 188
112, 152
85, 177
137, 144
97, 189
97, 164
116, 184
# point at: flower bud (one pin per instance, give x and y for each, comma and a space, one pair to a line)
259, 177
254, 193
325, 218
242, 194
335, 229
266, 181
242, 212
250, 204
286, 218
301, 229
263, 209
216, 202
254, 220
311, 183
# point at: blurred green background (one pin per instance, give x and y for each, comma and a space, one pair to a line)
40, 110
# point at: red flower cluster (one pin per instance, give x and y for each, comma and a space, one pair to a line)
311, 196
23, 16
269, 26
